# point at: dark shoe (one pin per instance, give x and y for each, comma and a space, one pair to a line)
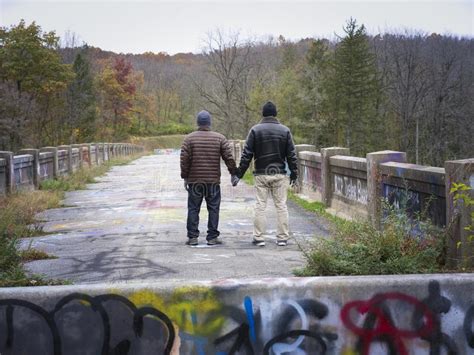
192, 241
259, 243
214, 241
282, 243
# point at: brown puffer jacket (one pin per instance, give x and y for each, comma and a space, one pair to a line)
201, 154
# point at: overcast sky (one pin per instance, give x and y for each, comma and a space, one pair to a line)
137, 26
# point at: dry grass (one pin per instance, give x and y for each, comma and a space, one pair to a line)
160, 142
18, 211
32, 254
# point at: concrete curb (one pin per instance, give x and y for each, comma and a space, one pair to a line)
408, 314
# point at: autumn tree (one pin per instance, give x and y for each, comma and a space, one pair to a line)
117, 86
33, 78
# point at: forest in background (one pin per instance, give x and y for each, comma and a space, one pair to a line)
406, 91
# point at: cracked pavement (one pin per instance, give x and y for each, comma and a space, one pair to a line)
131, 226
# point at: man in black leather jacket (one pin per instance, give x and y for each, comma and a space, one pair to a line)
271, 146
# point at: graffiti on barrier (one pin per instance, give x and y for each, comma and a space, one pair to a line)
350, 188
415, 202
82, 324
311, 177
402, 198
196, 320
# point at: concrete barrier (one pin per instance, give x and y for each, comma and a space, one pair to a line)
107, 152
239, 146
355, 190
417, 314
236, 147
99, 149
309, 165
26, 170
76, 159
3, 177
63, 163
54, 151
349, 195
24, 167
36, 165
459, 213
302, 148
9, 171
86, 154
353, 187
68, 163
46, 162
93, 154
417, 189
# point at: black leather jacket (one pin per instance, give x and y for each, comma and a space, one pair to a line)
270, 144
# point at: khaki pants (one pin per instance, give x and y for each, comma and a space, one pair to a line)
277, 186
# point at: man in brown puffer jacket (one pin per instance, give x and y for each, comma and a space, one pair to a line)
201, 154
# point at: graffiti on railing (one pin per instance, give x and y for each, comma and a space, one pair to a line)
311, 177
350, 188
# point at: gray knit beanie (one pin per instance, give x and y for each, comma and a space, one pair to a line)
204, 119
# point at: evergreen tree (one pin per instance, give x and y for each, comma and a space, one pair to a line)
82, 103
355, 90
316, 80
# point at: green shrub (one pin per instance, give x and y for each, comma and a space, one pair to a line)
9, 257
403, 246
248, 178
174, 128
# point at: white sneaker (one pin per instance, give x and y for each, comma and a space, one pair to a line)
259, 243
282, 243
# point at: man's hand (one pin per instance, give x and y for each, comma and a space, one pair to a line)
234, 180
293, 179
238, 173
186, 186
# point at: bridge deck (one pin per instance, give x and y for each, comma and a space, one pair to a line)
130, 226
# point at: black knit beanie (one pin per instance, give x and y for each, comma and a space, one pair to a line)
269, 109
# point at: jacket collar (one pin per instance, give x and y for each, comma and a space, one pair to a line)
269, 119
204, 128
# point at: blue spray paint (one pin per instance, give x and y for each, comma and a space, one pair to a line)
199, 342
249, 311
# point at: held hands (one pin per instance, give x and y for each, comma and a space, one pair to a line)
234, 180
293, 180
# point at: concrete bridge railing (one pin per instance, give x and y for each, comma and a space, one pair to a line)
27, 168
409, 314
354, 187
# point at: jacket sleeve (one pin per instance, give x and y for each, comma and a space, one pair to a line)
291, 156
185, 158
247, 154
226, 154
